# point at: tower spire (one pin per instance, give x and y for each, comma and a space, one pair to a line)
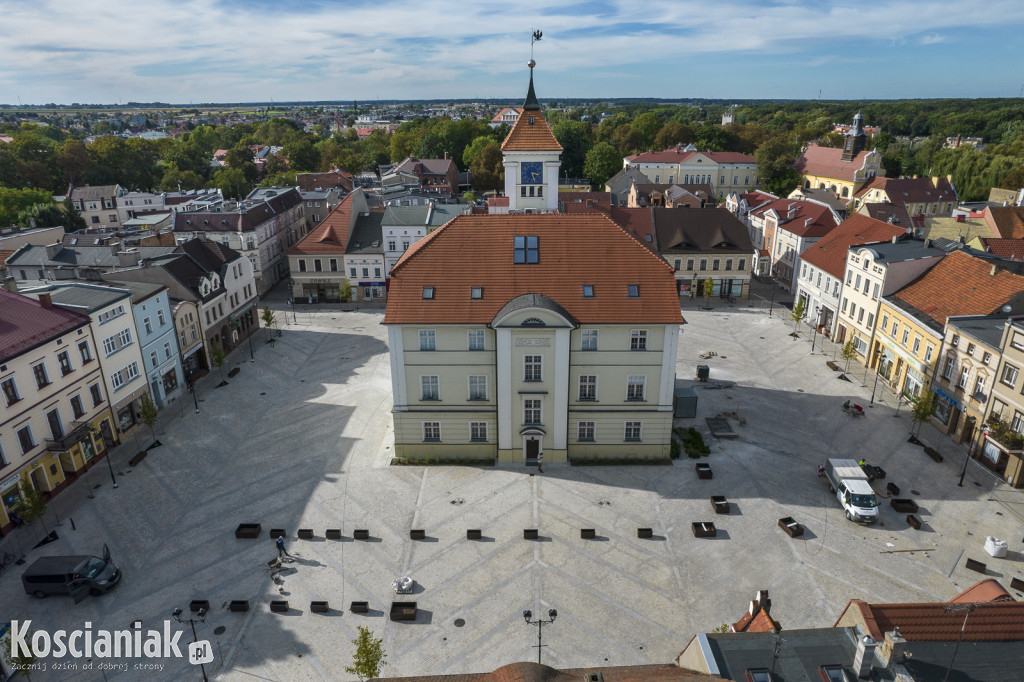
531, 103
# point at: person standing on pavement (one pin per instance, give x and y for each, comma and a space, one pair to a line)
281, 551
540, 462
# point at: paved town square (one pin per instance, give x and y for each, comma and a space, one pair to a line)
301, 438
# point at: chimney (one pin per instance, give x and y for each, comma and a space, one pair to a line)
894, 239
128, 257
862, 659
45, 300
961, 239
114, 248
993, 270
53, 249
893, 649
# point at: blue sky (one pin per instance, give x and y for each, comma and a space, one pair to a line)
180, 51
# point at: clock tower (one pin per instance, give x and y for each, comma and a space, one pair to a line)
531, 155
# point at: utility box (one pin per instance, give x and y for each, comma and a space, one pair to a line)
703, 372
685, 404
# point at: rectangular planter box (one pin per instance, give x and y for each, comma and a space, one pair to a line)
233, 371
529, 533
278, 533
704, 471
720, 504
238, 605
403, 610
137, 458
333, 533
197, 604
418, 534
703, 529
933, 453
892, 488
248, 531
975, 565
359, 607
588, 533
903, 505
792, 528
318, 607
279, 606
1017, 584
361, 534
474, 534
645, 532
913, 522
305, 533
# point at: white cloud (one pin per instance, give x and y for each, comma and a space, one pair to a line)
932, 39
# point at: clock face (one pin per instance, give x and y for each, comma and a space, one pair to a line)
532, 172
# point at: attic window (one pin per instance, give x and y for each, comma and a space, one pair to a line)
832, 673
634, 290
533, 322
588, 291
476, 293
647, 238
758, 675
530, 121
428, 293
525, 249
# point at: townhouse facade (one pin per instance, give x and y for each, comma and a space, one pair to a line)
97, 204
789, 228
520, 359
403, 226
966, 374
1001, 443
934, 196
55, 419
725, 172
702, 244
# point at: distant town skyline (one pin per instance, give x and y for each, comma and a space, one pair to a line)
193, 51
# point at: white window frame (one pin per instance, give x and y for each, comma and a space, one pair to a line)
533, 368
481, 382
478, 432
430, 387
631, 426
428, 339
638, 339
434, 427
587, 388
588, 339
477, 339
636, 388
527, 409
584, 427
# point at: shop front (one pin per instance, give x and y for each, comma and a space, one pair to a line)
127, 411
320, 291
371, 291
193, 361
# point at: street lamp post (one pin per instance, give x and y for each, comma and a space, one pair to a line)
192, 388
540, 623
201, 618
109, 466
252, 358
963, 472
878, 352
771, 306
815, 322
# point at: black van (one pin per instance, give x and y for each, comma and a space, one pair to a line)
74, 575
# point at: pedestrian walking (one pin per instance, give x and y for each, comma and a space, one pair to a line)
540, 462
281, 551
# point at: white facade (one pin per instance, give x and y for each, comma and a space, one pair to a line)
397, 240
821, 293
531, 180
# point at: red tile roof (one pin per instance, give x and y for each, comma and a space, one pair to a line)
960, 284
822, 221
26, 323
330, 236
583, 197
827, 162
677, 155
473, 250
911, 190
997, 246
531, 134
536, 672
829, 253
637, 221
1007, 221
308, 182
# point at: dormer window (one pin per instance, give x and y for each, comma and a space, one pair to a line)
633, 290
525, 249
476, 293
428, 293
588, 291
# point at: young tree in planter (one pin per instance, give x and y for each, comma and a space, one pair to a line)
269, 319
922, 410
217, 357
346, 291
709, 288
798, 314
849, 352
32, 505
369, 656
148, 413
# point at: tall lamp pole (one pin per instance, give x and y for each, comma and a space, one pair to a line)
201, 618
878, 352
192, 388
109, 466
528, 617
963, 471
815, 322
252, 358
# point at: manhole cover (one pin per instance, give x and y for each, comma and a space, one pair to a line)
914, 492
459, 622
219, 630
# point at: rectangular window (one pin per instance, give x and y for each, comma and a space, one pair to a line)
476, 293
478, 387
97, 394
532, 368
366, 272
947, 371
962, 383
633, 290
588, 291
64, 360
42, 379
318, 265
334, 263
742, 264
525, 249
875, 295
845, 302
154, 358
633, 431
428, 293
895, 328
635, 385
476, 339
970, 349
1009, 376
871, 320
147, 325
1018, 422
703, 263
429, 388
849, 276
677, 264
167, 350
857, 285
77, 408
10, 391
531, 411
860, 316
85, 351
160, 318
392, 246
56, 426
302, 265
478, 432
728, 263
588, 387
714, 264
853, 310
427, 339
585, 432
956, 342
26, 439
351, 272
638, 339
917, 344
116, 380
588, 339
432, 431
928, 353
979, 388
133, 371
906, 337
689, 264
124, 337
376, 272
885, 323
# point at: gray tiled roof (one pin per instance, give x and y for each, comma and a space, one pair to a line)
79, 256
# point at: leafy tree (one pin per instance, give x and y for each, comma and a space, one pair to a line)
14, 201
73, 160
646, 125
345, 293
32, 505
217, 357
848, 353
602, 162
230, 181
709, 288
488, 169
269, 319
775, 159
240, 158
1014, 179
301, 156
673, 133
626, 140
472, 150
469, 197
41, 215
798, 313
175, 179
148, 413
922, 410
369, 656
576, 140
73, 220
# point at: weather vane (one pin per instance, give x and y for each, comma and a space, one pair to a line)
537, 35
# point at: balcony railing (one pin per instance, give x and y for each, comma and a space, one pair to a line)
78, 433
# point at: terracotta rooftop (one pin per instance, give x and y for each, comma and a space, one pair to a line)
573, 250
894, 214
531, 133
333, 178
636, 221
959, 284
26, 323
536, 672
829, 253
911, 190
678, 154
827, 162
701, 230
822, 221
330, 236
1006, 221
1012, 249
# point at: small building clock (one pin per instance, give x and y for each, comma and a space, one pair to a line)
532, 172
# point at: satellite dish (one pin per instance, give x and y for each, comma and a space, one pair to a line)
1007, 308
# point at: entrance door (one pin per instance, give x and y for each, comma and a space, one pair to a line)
532, 449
